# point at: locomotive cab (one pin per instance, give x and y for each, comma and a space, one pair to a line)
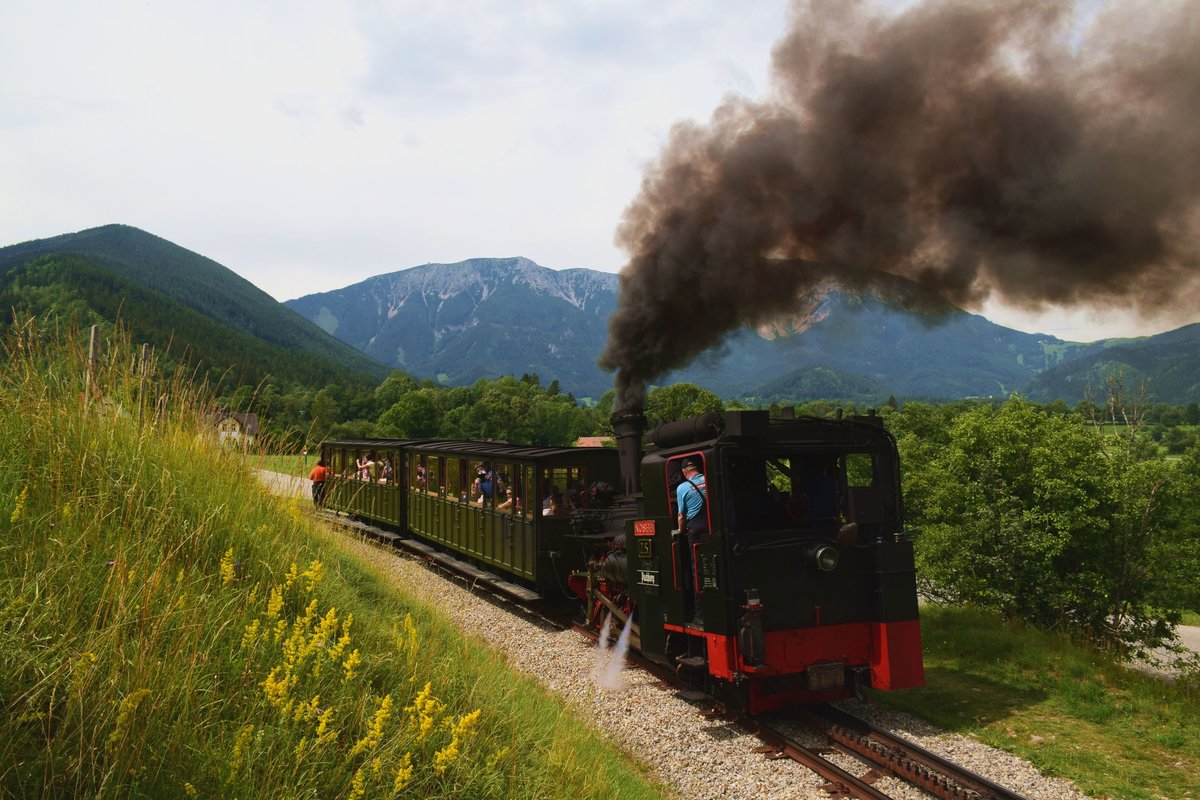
806, 575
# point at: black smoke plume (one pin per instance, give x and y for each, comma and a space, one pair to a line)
1008, 148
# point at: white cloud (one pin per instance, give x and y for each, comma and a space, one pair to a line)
308, 145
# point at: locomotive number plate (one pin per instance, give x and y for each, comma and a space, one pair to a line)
647, 577
826, 676
643, 527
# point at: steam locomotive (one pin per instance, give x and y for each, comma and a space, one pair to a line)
806, 579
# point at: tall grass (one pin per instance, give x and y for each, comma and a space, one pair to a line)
168, 631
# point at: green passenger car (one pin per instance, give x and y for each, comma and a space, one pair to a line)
505, 509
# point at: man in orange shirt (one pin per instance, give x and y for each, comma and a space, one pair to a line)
317, 476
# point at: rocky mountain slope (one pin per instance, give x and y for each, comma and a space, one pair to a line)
488, 317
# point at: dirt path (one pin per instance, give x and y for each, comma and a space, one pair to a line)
286, 485
1190, 636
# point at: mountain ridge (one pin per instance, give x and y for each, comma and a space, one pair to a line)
835, 337
486, 317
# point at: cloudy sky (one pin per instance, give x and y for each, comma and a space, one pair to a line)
310, 145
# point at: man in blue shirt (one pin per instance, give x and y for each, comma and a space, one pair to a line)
691, 497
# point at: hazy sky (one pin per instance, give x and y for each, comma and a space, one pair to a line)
310, 145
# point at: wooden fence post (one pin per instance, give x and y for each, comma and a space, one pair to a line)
93, 356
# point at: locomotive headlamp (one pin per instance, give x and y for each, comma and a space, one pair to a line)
823, 557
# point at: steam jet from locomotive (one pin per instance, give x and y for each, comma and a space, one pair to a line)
806, 577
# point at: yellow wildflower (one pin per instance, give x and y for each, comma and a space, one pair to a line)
275, 602
20, 507
329, 625
313, 575
251, 635
375, 728
336, 651
406, 642
228, 573
294, 511
239, 748
292, 574
310, 613
324, 734
301, 750
459, 731
81, 668
252, 598
358, 784
404, 773
445, 757
349, 665
278, 686
189, 790
377, 767
424, 711
307, 711
466, 724
496, 757
125, 712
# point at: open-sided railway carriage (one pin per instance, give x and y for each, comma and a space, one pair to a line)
807, 577
433, 496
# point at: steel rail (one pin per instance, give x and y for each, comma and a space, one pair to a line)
908, 760
841, 783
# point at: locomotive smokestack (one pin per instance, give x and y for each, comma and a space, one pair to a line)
629, 425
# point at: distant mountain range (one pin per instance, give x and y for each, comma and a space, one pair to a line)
487, 317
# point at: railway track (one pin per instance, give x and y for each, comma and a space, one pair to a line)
884, 753
881, 751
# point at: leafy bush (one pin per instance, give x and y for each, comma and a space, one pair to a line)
1038, 516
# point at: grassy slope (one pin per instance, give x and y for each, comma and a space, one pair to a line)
166, 631
1114, 731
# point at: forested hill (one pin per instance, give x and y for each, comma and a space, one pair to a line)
1168, 363
197, 282
70, 287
